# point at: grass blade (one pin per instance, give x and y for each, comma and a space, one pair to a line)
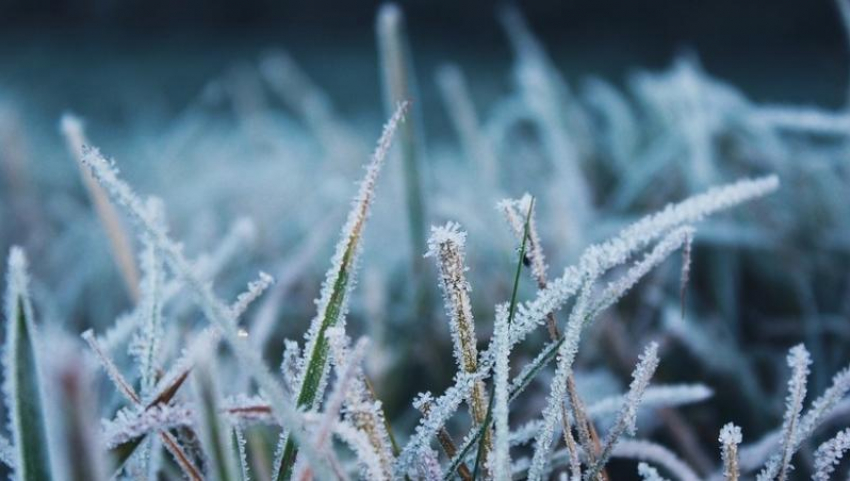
23, 380
511, 312
338, 284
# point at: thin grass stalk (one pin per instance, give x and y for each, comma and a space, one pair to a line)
511, 311
447, 246
730, 438
536, 261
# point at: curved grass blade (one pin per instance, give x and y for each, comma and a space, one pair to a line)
23, 381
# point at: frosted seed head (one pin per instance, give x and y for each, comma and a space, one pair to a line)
730, 434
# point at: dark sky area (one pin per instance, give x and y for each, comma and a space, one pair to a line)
775, 50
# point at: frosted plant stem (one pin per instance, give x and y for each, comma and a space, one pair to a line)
778, 466
829, 454
626, 421
537, 263
129, 393
501, 466
447, 246
730, 438
448, 444
484, 431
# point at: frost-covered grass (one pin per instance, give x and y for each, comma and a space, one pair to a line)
622, 273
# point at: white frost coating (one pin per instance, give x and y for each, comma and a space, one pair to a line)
566, 355
133, 422
242, 447
7, 452
616, 289
447, 246
440, 410
824, 405
360, 409
648, 473
289, 364
17, 297
828, 407
829, 454
799, 361
111, 369
615, 251
515, 212
241, 235
601, 257
347, 252
501, 465
525, 433
657, 454
654, 397
214, 309
145, 345
367, 457
730, 438
346, 373
120, 330
626, 421
428, 466
256, 289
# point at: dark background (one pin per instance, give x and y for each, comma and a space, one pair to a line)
777, 50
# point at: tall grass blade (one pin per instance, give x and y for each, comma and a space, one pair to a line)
339, 282
23, 385
506, 345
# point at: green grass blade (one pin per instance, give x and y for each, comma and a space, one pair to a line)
333, 303
511, 310
23, 381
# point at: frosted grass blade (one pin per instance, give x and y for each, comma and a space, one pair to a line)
24, 396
